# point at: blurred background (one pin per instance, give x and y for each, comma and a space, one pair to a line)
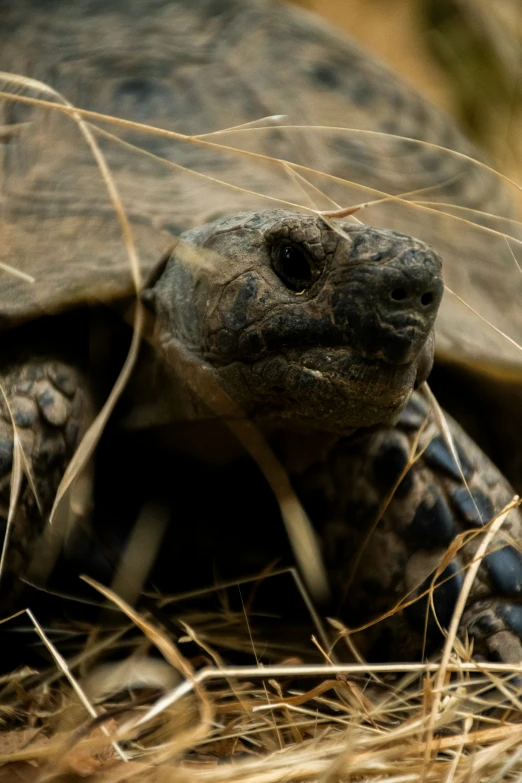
465, 55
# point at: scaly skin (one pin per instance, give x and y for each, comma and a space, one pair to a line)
378, 558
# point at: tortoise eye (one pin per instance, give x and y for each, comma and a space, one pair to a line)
294, 266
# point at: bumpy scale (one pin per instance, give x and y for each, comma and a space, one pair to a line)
388, 541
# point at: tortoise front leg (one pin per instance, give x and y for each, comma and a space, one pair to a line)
383, 547
47, 404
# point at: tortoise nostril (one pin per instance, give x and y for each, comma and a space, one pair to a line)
398, 294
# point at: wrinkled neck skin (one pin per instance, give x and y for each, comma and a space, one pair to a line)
187, 424
163, 399
190, 404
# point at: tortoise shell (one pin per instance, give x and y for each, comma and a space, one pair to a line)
351, 129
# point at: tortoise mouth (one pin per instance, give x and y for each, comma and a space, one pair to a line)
334, 389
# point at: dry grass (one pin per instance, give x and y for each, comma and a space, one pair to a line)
186, 716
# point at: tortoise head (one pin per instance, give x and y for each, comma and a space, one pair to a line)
305, 325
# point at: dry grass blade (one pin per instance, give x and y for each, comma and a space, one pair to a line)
484, 320
157, 637
299, 528
16, 485
310, 670
62, 665
442, 206
263, 122
513, 256
11, 270
301, 171
489, 534
207, 177
76, 115
272, 573
511, 762
385, 740
169, 651
406, 196
339, 212
140, 552
20, 468
90, 440
262, 158
414, 455
309, 191
443, 426
91, 437
468, 721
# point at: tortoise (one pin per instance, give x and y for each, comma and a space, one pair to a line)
315, 326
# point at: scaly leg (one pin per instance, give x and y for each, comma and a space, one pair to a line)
47, 404
379, 555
